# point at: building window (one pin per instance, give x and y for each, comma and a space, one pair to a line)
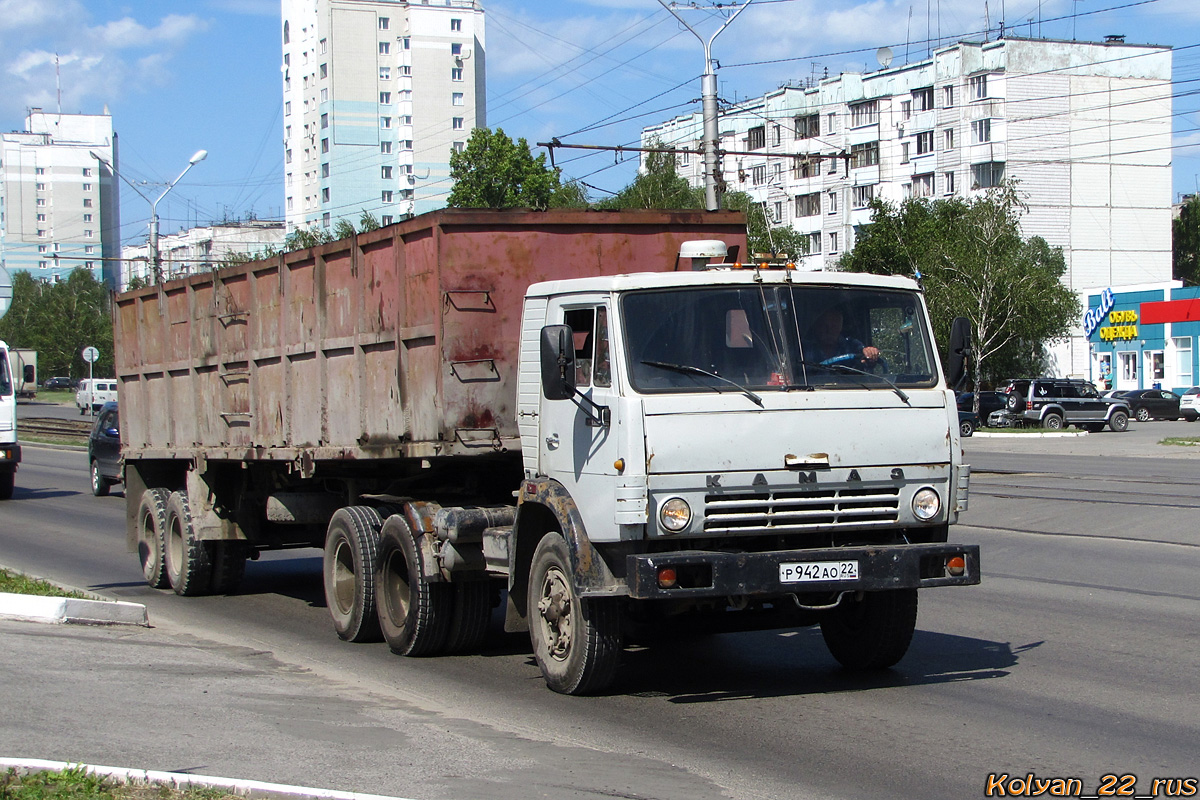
324, 170
406, 194
1129, 373
325, 220
41, 217
978, 86
385, 122
948, 180
458, 99
813, 240
324, 46
864, 113
456, 123
385, 48
404, 95
87, 172
385, 98
1183, 360
41, 248
386, 196
406, 144
981, 131
833, 201
456, 73
385, 73
808, 126
948, 96
985, 176
758, 174
830, 122
325, 195
808, 205
777, 212
324, 70
324, 94
905, 109
39, 170
456, 49
924, 142
87, 217
41, 187
756, 138
386, 219
923, 98
863, 195
864, 155
776, 135
287, 156
384, 23
806, 167
41, 201
324, 121
405, 119
89, 249
87, 202
42, 265
88, 233
324, 145
922, 185
455, 24
385, 173
407, 43
458, 147
904, 152
948, 139
833, 243
287, 108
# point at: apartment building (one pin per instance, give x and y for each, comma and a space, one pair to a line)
376, 95
59, 205
1083, 128
201, 248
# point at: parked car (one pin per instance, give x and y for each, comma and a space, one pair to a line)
60, 383
94, 393
1147, 404
104, 450
967, 423
988, 402
1056, 402
1189, 404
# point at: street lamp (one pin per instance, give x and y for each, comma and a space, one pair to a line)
155, 259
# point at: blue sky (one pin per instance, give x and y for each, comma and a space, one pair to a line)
178, 77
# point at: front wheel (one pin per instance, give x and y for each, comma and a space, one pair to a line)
1119, 422
576, 641
1142, 414
873, 631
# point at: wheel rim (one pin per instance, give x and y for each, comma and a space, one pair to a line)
343, 577
554, 614
395, 588
1143, 415
95, 477
1053, 423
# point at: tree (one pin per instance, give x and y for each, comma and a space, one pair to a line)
973, 262
59, 319
657, 185
1185, 243
761, 235
492, 171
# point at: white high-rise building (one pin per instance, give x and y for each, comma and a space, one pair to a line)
1083, 128
202, 248
376, 95
59, 206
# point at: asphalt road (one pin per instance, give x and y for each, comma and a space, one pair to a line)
1076, 657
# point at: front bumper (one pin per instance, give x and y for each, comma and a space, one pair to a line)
10, 454
719, 574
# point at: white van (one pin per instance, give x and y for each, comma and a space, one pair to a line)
95, 392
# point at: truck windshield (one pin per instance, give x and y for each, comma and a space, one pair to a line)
776, 337
6, 387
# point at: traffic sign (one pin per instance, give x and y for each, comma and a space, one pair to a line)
91, 355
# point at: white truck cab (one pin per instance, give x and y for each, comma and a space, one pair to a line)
10, 451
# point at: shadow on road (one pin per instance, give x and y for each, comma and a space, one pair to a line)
20, 493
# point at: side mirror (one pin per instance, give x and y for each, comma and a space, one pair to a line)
960, 348
558, 362
29, 373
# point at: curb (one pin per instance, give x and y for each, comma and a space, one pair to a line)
179, 780
36, 608
1058, 435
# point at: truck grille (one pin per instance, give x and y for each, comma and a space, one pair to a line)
792, 510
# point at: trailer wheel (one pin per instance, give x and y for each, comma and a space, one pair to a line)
414, 614
152, 536
229, 566
470, 618
872, 632
8, 481
351, 545
189, 561
576, 641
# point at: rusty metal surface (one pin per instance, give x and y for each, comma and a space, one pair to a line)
397, 343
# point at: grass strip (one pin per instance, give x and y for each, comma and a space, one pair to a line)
76, 783
16, 583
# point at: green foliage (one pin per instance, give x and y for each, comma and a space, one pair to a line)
367, 222
303, 238
343, 229
78, 783
137, 282
656, 186
492, 171
761, 235
571, 194
974, 263
16, 583
59, 320
1185, 243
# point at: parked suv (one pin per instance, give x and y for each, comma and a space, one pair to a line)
1055, 402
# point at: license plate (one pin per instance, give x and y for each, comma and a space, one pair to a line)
814, 571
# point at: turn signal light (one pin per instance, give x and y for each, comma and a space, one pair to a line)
956, 566
619, 465
667, 578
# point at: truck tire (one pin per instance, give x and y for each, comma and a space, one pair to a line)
188, 560
470, 617
874, 632
152, 537
414, 614
8, 481
229, 566
351, 548
1119, 421
100, 484
576, 641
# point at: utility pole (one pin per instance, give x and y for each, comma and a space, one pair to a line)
708, 93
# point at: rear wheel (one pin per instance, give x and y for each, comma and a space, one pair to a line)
1053, 422
351, 548
100, 484
576, 641
414, 614
1142, 414
229, 566
152, 533
872, 632
1119, 422
189, 560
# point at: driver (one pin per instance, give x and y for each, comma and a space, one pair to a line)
827, 345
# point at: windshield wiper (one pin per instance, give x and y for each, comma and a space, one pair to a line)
844, 368
689, 369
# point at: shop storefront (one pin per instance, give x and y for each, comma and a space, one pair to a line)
1144, 337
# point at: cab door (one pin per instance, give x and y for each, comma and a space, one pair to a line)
576, 447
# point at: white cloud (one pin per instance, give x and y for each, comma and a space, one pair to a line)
255, 8
35, 14
128, 32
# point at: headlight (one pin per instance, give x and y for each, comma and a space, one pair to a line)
926, 504
675, 514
